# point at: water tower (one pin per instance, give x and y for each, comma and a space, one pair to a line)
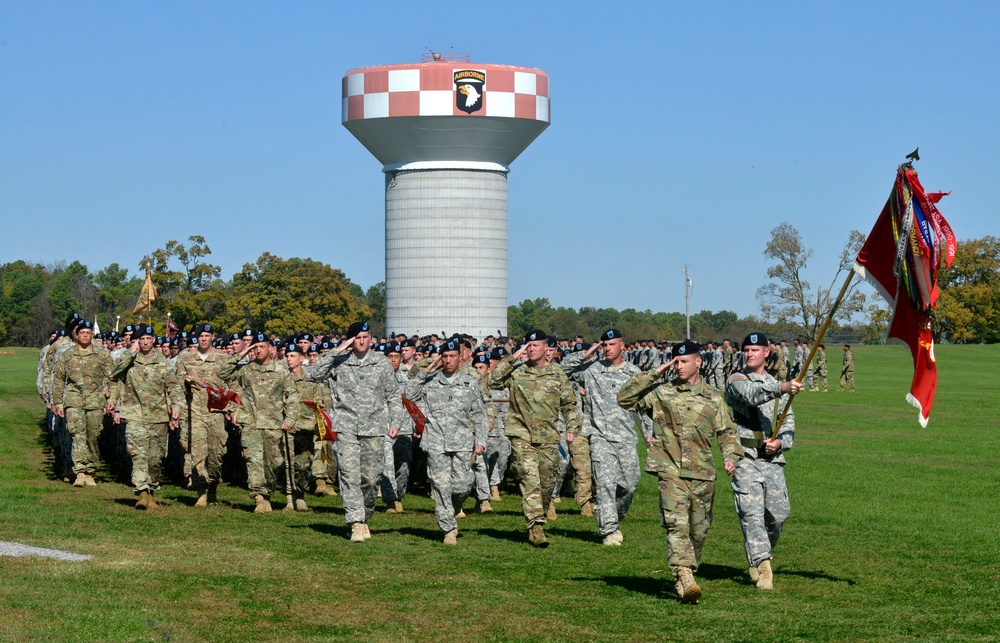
446, 131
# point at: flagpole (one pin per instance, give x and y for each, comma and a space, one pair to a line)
815, 345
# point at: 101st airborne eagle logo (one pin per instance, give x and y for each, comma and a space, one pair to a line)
469, 87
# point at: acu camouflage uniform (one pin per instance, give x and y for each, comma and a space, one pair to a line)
759, 488
537, 395
149, 391
79, 380
269, 399
456, 424
366, 403
203, 431
610, 431
305, 436
398, 452
685, 421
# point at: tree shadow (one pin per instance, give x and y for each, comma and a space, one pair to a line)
661, 588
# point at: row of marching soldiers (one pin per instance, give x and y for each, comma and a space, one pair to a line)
348, 409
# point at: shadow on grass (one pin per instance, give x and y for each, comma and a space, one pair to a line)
586, 535
820, 575
518, 536
434, 535
661, 588
338, 531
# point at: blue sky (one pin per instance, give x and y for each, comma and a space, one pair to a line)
681, 132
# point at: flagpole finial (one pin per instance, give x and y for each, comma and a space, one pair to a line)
914, 155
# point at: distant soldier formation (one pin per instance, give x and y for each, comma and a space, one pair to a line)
341, 413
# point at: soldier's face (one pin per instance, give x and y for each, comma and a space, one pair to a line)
304, 344
536, 350
146, 344
484, 369
165, 349
395, 359
408, 353
450, 361
204, 341
755, 356
613, 348
687, 367
85, 337
294, 360
362, 341
550, 354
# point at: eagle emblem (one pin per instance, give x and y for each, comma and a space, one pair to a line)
470, 84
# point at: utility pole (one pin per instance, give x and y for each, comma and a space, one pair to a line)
687, 301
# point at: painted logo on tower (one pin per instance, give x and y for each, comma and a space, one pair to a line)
469, 87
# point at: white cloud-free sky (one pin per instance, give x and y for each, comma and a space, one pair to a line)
681, 132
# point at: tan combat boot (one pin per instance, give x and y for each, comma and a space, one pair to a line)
390, 508
81, 480
766, 578
143, 502
320, 487
300, 505
754, 574
484, 507
151, 503
398, 506
263, 505
614, 539
460, 514
536, 536
494, 493
451, 538
365, 531
202, 500
89, 481
552, 512
587, 510
690, 592
357, 532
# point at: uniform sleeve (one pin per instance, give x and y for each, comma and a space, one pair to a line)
567, 403
742, 388
726, 434
500, 375
479, 420
121, 365
59, 379
786, 434
230, 370
632, 395
393, 396
415, 387
292, 401
323, 369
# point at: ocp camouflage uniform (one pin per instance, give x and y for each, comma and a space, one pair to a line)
80, 378
821, 368
537, 394
456, 424
203, 431
685, 420
269, 399
847, 371
610, 431
61, 439
149, 391
305, 436
366, 401
759, 488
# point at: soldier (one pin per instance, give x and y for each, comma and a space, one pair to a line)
609, 429
759, 487
305, 435
847, 370
150, 401
271, 408
686, 414
80, 395
455, 432
62, 441
398, 450
203, 433
538, 391
821, 368
798, 358
497, 443
366, 402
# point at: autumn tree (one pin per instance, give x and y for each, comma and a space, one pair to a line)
290, 295
969, 308
791, 300
189, 286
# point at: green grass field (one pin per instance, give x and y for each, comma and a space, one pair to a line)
894, 535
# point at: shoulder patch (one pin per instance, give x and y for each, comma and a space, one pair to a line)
736, 377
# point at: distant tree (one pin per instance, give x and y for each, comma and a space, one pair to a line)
189, 287
969, 309
117, 292
73, 291
290, 295
789, 299
374, 298
879, 316
21, 287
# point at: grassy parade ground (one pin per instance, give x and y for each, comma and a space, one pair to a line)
894, 535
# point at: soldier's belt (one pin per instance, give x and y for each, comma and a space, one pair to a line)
749, 442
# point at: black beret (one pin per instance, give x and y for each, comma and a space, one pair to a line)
160, 341
141, 330
482, 358
687, 347
553, 342
83, 324
755, 339
307, 337
71, 319
235, 336
392, 347
450, 345
325, 346
611, 333
247, 332
498, 353
357, 327
129, 328
407, 343
294, 348
535, 335
259, 338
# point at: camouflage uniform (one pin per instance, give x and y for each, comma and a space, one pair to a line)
62, 442
366, 402
398, 453
537, 394
759, 488
821, 368
456, 424
685, 420
269, 398
150, 390
497, 444
203, 431
847, 371
324, 462
610, 431
80, 377
305, 437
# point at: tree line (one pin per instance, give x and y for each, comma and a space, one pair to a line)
289, 295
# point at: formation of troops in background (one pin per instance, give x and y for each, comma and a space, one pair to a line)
342, 413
